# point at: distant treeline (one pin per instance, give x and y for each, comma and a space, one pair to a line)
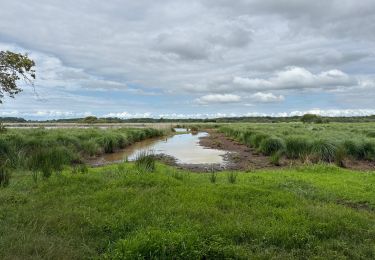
266, 119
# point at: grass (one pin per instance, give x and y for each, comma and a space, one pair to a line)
313, 143
48, 151
145, 161
320, 212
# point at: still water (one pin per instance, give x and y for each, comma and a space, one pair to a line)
184, 147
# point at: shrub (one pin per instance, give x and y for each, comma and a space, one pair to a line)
311, 118
297, 147
271, 145
145, 161
324, 150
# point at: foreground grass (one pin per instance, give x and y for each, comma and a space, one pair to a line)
115, 212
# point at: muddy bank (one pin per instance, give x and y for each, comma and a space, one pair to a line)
245, 158
240, 157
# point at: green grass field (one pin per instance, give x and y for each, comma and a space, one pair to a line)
117, 212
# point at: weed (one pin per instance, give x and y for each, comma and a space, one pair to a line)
145, 161
232, 177
275, 158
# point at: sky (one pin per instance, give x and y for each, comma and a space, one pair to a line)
192, 59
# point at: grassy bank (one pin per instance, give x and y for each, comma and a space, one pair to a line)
117, 212
332, 142
49, 150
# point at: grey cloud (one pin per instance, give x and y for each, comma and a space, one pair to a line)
194, 47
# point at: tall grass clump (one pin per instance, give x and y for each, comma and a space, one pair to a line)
297, 147
324, 150
49, 160
5, 174
256, 139
271, 145
232, 177
213, 175
276, 157
145, 161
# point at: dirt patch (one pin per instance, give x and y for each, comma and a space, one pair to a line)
240, 156
361, 205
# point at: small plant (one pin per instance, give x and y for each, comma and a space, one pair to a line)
275, 158
4, 174
232, 177
340, 156
145, 161
213, 175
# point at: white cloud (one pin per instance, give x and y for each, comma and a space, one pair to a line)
218, 98
297, 78
266, 97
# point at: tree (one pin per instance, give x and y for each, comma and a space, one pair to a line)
311, 118
14, 67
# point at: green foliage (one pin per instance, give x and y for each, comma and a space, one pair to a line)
13, 67
297, 147
5, 174
271, 145
213, 175
324, 150
145, 162
311, 118
256, 139
340, 156
47, 151
90, 119
276, 157
49, 160
232, 177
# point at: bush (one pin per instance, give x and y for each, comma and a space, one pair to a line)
271, 145
145, 162
297, 147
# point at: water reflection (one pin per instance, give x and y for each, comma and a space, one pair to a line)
184, 147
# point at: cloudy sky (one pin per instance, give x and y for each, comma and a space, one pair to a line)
197, 58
